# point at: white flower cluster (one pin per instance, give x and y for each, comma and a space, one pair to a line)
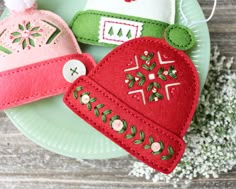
211, 139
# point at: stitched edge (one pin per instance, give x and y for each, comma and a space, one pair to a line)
147, 39
36, 67
90, 12
116, 101
65, 28
175, 44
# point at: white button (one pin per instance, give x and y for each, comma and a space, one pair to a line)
73, 69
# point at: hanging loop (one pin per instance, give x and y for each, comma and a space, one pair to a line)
200, 21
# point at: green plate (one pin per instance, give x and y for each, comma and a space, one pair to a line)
53, 126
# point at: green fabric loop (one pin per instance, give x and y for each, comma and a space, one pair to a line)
85, 26
180, 37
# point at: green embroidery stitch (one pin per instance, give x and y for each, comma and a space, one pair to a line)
113, 119
24, 44
142, 77
153, 84
21, 27
31, 42
28, 26
104, 115
149, 146
111, 32
142, 138
149, 68
124, 128
157, 147
96, 109
3, 49
55, 34
171, 72
171, 153
120, 33
90, 20
89, 102
131, 80
155, 97
25, 36
75, 92
129, 34
133, 133
160, 74
148, 57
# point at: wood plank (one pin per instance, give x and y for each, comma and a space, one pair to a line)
25, 165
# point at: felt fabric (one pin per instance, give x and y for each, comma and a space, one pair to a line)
142, 96
162, 10
111, 23
36, 81
35, 39
94, 27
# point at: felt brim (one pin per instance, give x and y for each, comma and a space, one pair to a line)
37, 81
104, 108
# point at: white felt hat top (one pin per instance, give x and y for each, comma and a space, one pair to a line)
161, 10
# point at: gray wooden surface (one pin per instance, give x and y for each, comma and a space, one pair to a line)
24, 165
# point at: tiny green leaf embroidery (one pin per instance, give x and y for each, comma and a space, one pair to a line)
171, 72
104, 115
155, 97
24, 44
171, 153
141, 140
28, 26
17, 40
131, 79
96, 109
144, 58
124, 127
120, 33
36, 35
35, 29
149, 68
133, 133
142, 78
113, 119
15, 34
148, 57
161, 149
146, 147
93, 100
21, 27
151, 140
153, 84
75, 92
89, 106
160, 74
25, 35
129, 34
111, 32
31, 42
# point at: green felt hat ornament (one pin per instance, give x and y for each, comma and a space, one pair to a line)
111, 23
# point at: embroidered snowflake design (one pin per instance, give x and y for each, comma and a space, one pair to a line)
25, 35
147, 76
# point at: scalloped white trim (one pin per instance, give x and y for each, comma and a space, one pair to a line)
106, 23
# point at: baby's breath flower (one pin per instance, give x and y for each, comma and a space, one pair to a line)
211, 139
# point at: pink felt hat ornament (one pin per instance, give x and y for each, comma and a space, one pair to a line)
39, 56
